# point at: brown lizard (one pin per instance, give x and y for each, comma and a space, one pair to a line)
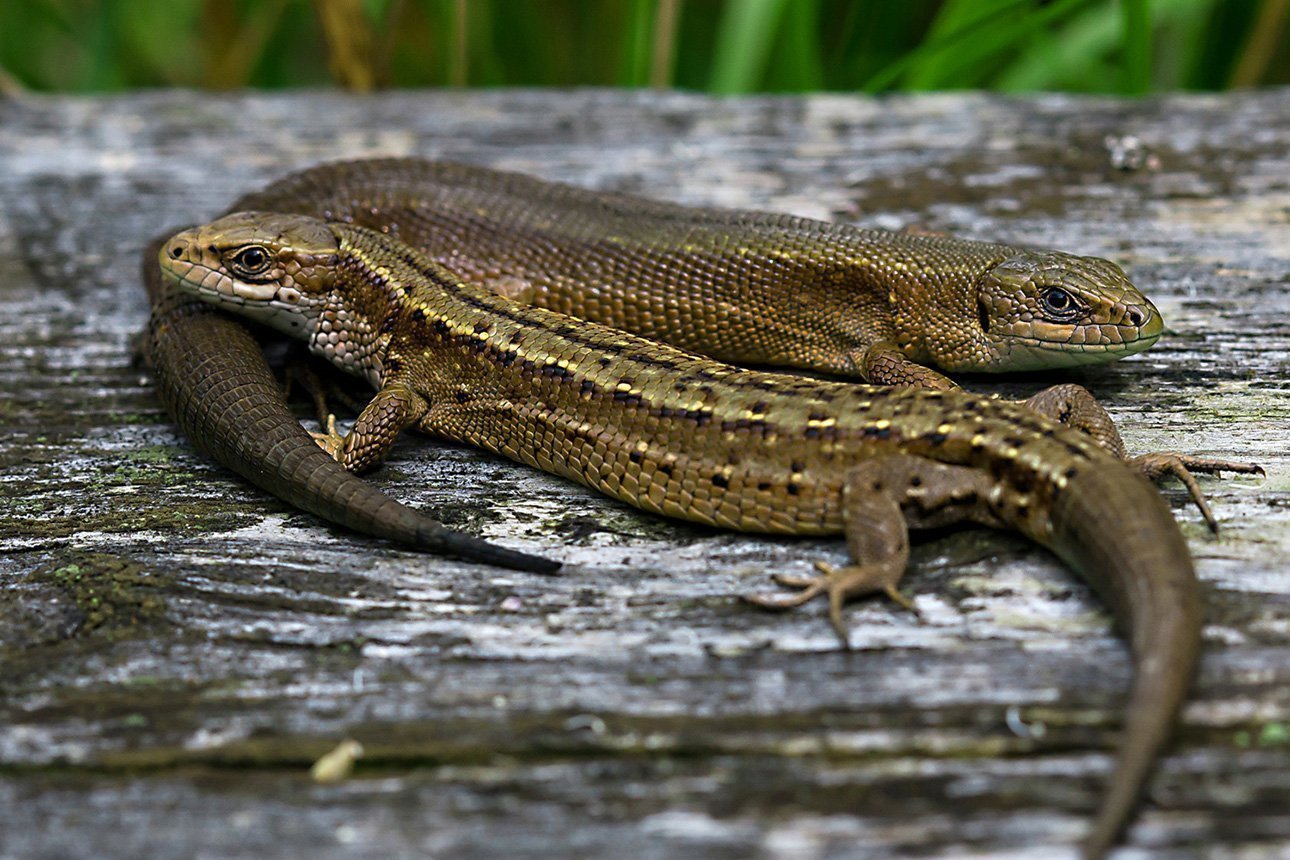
685, 436
741, 286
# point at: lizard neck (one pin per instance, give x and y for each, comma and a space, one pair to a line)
932, 300
355, 327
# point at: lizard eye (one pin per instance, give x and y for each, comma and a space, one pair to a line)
251, 260
1058, 303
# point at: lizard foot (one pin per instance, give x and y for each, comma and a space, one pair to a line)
1159, 464
331, 441
838, 583
299, 374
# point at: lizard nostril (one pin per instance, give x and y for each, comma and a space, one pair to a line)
1134, 318
176, 251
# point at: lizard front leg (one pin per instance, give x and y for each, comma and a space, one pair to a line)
881, 500
395, 407
884, 364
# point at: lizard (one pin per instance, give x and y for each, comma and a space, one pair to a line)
743, 287
682, 435
213, 379
762, 288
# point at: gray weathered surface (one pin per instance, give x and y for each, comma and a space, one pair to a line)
177, 648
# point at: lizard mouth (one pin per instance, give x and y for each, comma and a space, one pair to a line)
1027, 352
215, 284
265, 303
1034, 345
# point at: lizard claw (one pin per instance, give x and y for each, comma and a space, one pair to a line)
331, 441
1159, 464
788, 580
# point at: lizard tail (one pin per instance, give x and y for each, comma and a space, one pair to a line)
1113, 527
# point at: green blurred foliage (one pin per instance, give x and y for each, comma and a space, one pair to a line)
722, 46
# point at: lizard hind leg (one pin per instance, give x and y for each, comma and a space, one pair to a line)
881, 500
299, 373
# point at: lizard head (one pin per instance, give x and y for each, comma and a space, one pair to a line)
1046, 309
274, 268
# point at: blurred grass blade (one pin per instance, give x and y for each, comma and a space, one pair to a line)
663, 52
9, 85
349, 38
459, 65
1265, 37
956, 17
234, 47
802, 67
946, 61
745, 34
1084, 44
635, 58
1136, 15
946, 33
98, 73
1084, 53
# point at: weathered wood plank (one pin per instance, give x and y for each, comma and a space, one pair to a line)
177, 648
